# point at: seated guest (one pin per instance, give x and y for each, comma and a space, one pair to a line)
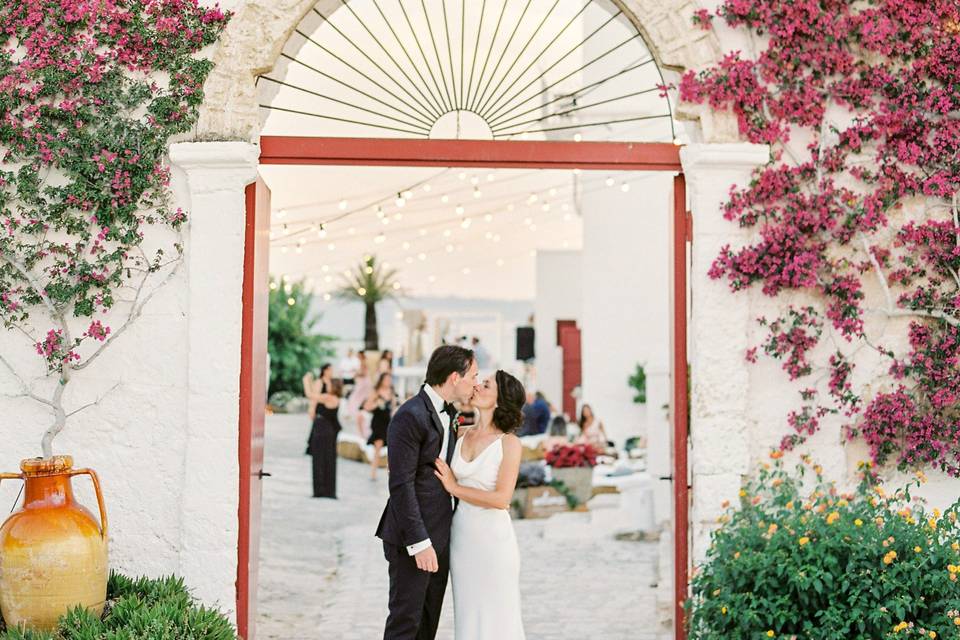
536, 415
591, 430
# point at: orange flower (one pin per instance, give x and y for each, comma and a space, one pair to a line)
890, 557
804, 540
776, 455
833, 517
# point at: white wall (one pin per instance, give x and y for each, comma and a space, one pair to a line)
559, 297
165, 440
626, 298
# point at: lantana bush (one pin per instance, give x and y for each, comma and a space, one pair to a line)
798, 559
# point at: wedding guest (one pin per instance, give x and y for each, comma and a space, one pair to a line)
349, 365
312, 387
358, 395
483, 356
323, 440
386, 362
591, 430
536, 414
380, 404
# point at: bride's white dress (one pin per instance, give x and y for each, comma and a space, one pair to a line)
484, 558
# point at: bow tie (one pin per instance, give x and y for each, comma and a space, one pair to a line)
450, 410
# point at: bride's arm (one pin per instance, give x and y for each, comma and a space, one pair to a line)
500, 497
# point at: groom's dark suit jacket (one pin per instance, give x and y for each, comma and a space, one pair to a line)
419, 507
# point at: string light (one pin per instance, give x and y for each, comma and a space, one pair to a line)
462, 175
407, 194
282, 214
361, 291
577, 137
608, 182
406, 245
444, 198
343, 205
476, 193
499, 262
449, 248
380, 239
398, 216
421, 256
379, 211
283, 249
459, 210
426, 188
400, 201
321, 232
327, 297
553, 191
488, 217
352, 231
447, 233
466, 223
474, 180
490, 177
545, 207
625, 187
332, 247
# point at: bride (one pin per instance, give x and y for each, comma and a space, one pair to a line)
484, 558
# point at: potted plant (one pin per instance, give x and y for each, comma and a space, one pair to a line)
370, 283
572, 464
94, 95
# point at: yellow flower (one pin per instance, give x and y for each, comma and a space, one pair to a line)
953, 568
932, 523
833, 517
917, 549
789, 505
804, 540
955, 546
743, 493
900, 627
842, 503
858, 522
956, 621
772, 529
933, 634
936, 513
879, 521
890, 557
736, 555
723, 611
921, 476
818, 469
770, 633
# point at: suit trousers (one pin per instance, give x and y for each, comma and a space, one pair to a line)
416, 597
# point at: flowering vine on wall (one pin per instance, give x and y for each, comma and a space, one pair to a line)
91, 91
862, 222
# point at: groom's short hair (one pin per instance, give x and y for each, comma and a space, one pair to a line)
446, 360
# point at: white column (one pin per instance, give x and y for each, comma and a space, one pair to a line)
718, 336
216, 174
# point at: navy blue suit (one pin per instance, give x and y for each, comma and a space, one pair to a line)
418, 508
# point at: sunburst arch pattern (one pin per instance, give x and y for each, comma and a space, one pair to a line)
483, 69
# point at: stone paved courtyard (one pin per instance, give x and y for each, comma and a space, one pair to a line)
323, 575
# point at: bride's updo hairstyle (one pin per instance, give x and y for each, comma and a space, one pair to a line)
511, 396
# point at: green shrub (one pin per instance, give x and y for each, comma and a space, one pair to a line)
822, 565
138, 609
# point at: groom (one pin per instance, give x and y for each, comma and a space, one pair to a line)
415, 525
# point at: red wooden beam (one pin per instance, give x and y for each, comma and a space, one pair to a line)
681, 495
611, 156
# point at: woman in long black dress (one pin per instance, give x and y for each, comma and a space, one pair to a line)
323, 441
380, 404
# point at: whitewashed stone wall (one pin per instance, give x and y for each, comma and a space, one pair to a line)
165, 440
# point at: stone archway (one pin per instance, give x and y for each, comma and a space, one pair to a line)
222, 157
255, 36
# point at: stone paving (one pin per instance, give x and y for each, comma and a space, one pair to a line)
323, 575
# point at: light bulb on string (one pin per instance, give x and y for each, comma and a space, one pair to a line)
325, 268
321, 232
380, 239
510, 207
421, 256
368, 270
299, 249
286, 230
406, 245
488, 217
284, 249
489, 177
474, 180
553, 191
422, 232
533, 198
476, 193
273, 286
327, 297
545, 207
332, 247
398, 216
465, 223
328, 278
351, 231
625, 187
400, 201
385, 221
446, 233
426, 188
431, 278
396, 287
449, 248
459, 210
343, 205
608, 182
499, 262
409, 260
379, 211
361, 291
462, 175
577, 137
444, 198
407, 194
281, 214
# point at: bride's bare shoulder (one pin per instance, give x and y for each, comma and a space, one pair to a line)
511, 442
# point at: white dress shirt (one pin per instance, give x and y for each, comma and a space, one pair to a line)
437, 402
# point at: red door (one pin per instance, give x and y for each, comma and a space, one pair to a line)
253, 398
568, 337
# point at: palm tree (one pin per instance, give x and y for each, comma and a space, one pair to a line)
370, 283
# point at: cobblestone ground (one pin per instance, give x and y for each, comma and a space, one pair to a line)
323, 575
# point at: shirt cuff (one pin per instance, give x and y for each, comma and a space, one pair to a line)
414, 549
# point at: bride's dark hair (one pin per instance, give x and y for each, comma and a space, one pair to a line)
511, 396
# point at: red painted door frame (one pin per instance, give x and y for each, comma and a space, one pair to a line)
609, 156
253, 398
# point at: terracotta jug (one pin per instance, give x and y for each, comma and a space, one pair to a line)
53, 554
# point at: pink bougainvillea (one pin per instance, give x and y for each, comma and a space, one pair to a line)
875, 88
90, 94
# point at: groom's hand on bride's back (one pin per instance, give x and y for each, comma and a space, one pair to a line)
427, 560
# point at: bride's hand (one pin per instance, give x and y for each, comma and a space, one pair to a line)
445, 473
